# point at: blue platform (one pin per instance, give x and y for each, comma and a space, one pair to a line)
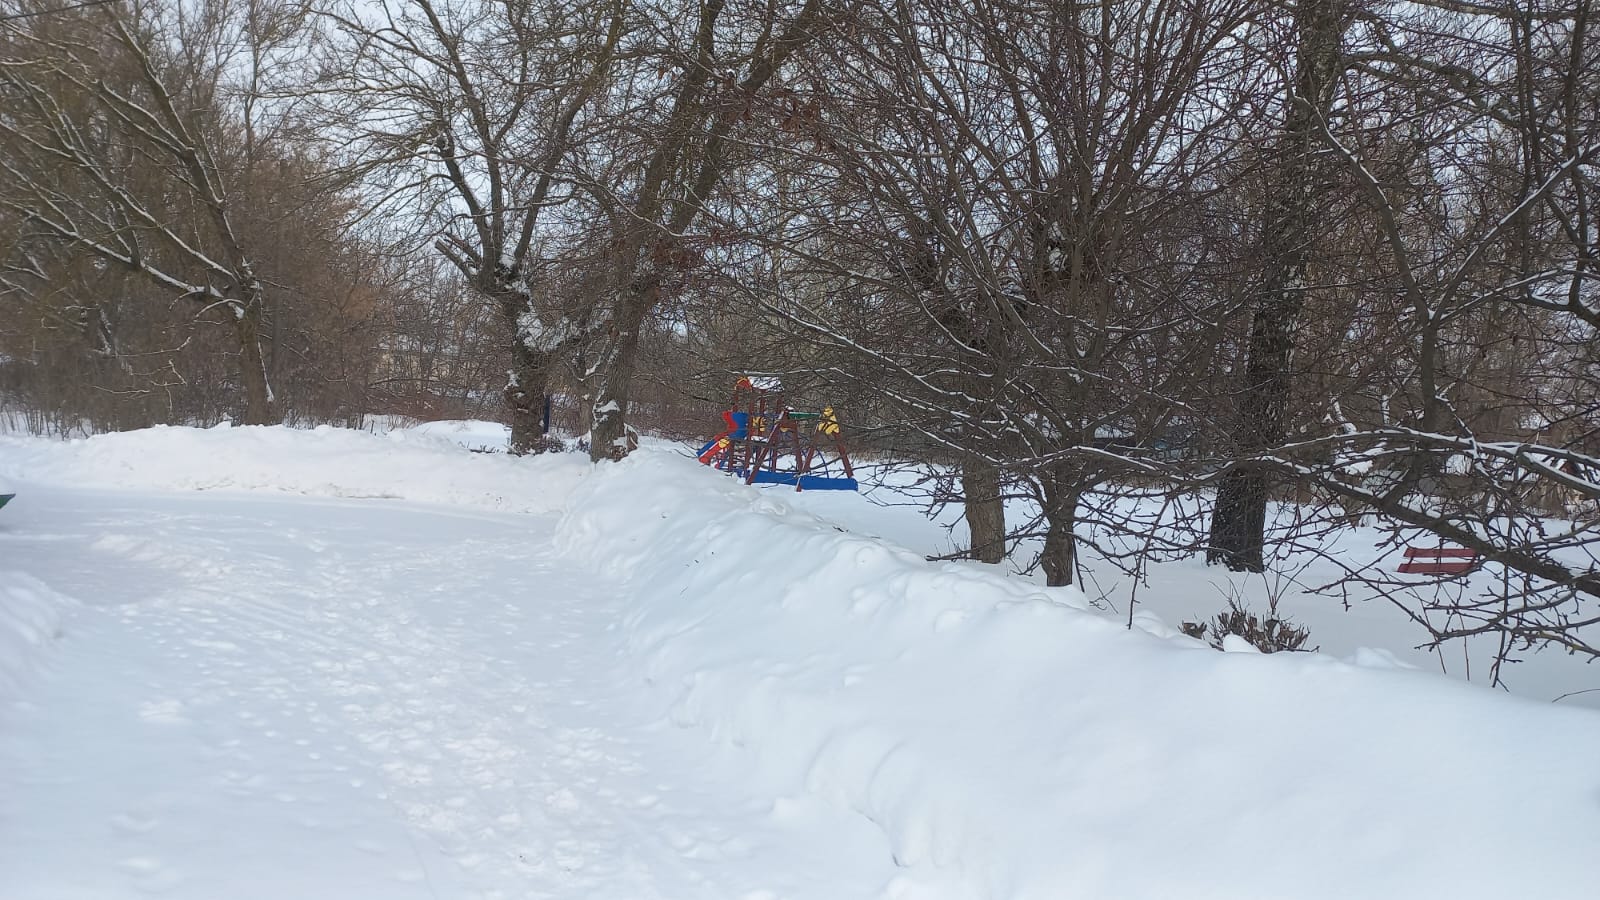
806, 482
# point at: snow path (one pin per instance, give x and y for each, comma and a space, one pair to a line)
363, 699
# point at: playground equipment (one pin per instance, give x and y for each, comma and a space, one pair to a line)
766, 442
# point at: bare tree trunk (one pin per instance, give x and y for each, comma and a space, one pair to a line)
1238, 521
582, 382
261, 406
985, 509
1059, 558
608, 434
527, 383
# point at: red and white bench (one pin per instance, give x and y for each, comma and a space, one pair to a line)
1438, 560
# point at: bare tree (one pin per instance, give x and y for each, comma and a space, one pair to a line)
1469, 138
110, 148
722, 62
466, 115
1005, 188
1238, 520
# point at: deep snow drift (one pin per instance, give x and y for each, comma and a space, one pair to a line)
897, 728
1013, 744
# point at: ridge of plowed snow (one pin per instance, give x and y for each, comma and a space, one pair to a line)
1012, 744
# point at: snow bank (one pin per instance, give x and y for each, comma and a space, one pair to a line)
1013, 744
326, 462
31, 615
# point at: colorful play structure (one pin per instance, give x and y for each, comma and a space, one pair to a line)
766, 442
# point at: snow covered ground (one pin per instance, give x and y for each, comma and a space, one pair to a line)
274, 663
484, 437
258, 695
1344, 621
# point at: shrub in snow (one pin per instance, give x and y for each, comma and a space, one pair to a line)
1269, 635
547, 444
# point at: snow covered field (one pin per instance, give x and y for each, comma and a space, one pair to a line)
1181, 587
271, 663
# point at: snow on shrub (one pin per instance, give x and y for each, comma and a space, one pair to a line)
1011, 741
